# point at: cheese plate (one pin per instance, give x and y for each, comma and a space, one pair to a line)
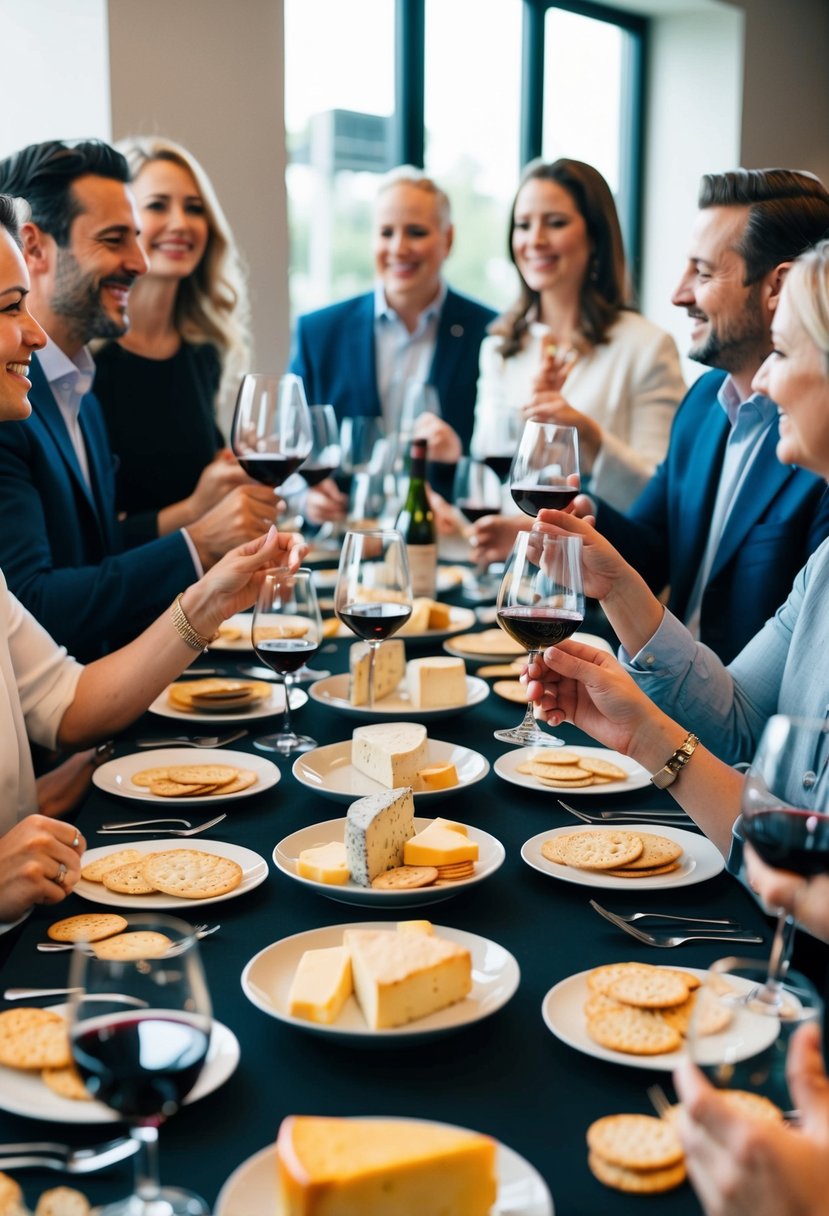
329, 771
333, 693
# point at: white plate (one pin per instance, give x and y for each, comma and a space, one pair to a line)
255, 872
251, 1188
329, 771
459, 619
333, 692
563, 1013
325, 578
506, 766
490, 858
509, 654
115, 777
23, 1093
267, 979
701, 860
273, 704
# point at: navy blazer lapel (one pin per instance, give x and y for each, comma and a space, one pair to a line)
43, 400
448, 347
763, 481
361, 354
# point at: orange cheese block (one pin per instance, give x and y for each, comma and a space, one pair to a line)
438, 846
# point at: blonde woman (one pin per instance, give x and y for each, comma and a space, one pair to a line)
159, 385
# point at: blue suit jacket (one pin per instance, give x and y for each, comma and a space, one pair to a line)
60, 544
779, 518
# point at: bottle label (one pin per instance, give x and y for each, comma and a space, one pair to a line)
423, 565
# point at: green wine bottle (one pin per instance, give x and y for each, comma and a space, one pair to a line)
416, 524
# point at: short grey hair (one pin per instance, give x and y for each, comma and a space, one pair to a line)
409, 175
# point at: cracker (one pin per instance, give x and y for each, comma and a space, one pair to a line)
597, 1002
202, 774
631, 872
62, 1201
245, 777
636, 1182
192, 874
656, 851
652, 989
573, 784
679, 1016
554, 849
86, 927
494, 671
146, 776
601, 978
33, 1038
638, 1032
174, 789
711, 1016
229, 633
129, 879
602, 849
67, 1083
602, 768
511, 690
12, 1202
636, 1142
405, 878
127, 947
556, 756
95, 871
488, 641
753, 1106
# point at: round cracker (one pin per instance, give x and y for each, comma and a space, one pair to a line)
174, 789
601, 978
656, 851
128, 947
566, 786
637, 1142
33, 1038
129, 879
67, 1083
603, 768
244, 779
637, 1032
636, 1182
202, 774
191, 874
555, 755
553, 850
653, 989
511, 690
86, 927
632, 872
147, 776
600, 849
95, 871
405, 878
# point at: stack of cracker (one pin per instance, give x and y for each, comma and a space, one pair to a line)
619, 853
194, 780
567, 770
187, 873
57, 1201
217, 695
636, 1153
37, 1040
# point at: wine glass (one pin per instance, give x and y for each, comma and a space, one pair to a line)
545, 468
139, 1031
497, 445
785, 814
286, 630
271, 434
476, 492
373, 595
540, 603
324, 456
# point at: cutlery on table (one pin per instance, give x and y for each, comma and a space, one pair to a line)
667, 818
52, 947
193, 740
615, 917
45, 1154
679, 939
136, 827
659, 1102
29, 994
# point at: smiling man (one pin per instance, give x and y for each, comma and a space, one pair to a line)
722, 523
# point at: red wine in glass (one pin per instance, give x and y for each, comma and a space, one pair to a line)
532, 498
270, 470
790, 839
500, 465
374, 622
475, 511
313, 474
286, 654
537, 628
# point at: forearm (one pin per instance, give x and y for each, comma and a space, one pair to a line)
633, 610
177, 515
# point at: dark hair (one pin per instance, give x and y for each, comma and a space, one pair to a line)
43, 174
788, 213
606, 289
8, 218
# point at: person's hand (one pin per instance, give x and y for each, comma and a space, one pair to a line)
494, 536
806, 899
552, 407
604, 570
62, 788
39, 864
746, 1167
242, 515
444, 443
325, 503
447, 521
217, 479
556, 364
584, 507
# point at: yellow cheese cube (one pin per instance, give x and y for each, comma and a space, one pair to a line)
438, 776
324, 863
321, 986
415, 926
435, 846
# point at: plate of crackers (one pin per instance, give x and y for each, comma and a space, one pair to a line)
52, 1088
433, 889
174, 779
639, 1015
154, 874
572, 770
211, 700
634, 857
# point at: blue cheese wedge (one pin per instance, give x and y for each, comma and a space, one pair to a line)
389, 670
376, 831
391, 753
434, 683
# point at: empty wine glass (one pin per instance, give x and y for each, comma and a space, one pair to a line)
545, 468
271, 433
540, 603
139, 1030
373, 595
286, 630
476, 492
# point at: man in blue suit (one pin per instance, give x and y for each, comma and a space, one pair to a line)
722, 523
60, 545
357, 355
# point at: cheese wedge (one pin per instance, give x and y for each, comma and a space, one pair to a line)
436, 846
324, 863
391, 753
433, 683
321, 985
382, 1167
389, 670
418, 622
400, 977
376, 829
438, 776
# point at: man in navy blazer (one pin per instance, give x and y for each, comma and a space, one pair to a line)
60, 545
722, 523
356, 355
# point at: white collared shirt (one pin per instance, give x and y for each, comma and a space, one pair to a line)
401, 356
70, 380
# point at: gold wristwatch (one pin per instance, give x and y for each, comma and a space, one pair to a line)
676, 763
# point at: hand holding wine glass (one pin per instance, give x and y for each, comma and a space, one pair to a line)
545, 469
286, 631
271, 434
139, 1032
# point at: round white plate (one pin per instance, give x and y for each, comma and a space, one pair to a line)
255, 872
329, 771
274, 704
506, 766
23, 1092
242, 620
267, 979
115, 777
701, 860
509, 653
333, 692
563, 1013
448, 577
285, 854
252, 1187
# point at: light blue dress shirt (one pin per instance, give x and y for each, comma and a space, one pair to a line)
402, 356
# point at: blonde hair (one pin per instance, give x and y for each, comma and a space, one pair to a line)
212, 304
807, 289
408, 175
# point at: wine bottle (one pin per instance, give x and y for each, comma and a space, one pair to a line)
416, 524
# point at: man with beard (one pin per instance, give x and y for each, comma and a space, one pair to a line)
722, 524
60, 546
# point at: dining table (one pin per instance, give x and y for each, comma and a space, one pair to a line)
506, 1075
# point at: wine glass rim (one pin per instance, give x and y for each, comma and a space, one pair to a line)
374, 532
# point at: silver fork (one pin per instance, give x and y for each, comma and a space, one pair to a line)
666, 940
669, 818
51, 947
615, 917
193, 740
134, 828
47, 1155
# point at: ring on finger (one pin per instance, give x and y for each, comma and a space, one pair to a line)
61, 875
76, 840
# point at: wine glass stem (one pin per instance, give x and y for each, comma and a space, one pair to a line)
529, 722
147, 1185
781, 951
286, 684
372, 655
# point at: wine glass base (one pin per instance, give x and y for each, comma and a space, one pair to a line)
520, 736
285, 744
170, 1201
308, 675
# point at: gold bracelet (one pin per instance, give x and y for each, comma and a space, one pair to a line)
676, 763
184, 629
